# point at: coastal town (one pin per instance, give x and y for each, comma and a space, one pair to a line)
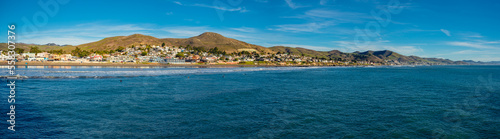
162, 54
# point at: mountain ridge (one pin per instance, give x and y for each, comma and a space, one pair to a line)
211, 40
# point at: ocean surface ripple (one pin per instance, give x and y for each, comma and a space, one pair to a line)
282, 102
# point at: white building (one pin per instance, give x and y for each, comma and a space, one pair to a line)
30, 55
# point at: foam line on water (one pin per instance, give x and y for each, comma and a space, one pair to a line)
134, 72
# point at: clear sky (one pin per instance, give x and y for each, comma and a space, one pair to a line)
457, 30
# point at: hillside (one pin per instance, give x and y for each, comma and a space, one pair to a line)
210, 40
26, 47
112, 43
299, 51
372, 56
207, 40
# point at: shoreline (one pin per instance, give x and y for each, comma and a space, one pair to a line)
149, 65
181, 65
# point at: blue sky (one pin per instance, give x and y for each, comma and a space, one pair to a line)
449, 29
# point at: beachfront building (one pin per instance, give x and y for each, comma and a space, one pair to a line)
5, 57
28, 55
96, 58
43, 55
54, 57
66, 57
173, 61
144, 58
41, 59
121, 58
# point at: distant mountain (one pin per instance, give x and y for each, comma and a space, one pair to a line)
26, 47
299, 51
481, 63
372, 56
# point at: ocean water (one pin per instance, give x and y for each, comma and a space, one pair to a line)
279, 102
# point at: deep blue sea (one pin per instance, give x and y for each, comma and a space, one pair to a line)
276, 102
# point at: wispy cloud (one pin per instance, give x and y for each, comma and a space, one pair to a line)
475, 36
216, 7
185, 31
324, 2
293, 5
446, 32
478, 45
244, 29
333, 15
83, 33
487, 52
307, 27
470, 35
178, 3
237, 9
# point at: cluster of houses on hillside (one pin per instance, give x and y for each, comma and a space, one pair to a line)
170, 55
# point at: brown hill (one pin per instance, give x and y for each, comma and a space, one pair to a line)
207, 40
211, 40
112, 43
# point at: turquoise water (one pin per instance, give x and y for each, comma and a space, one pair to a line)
352, 102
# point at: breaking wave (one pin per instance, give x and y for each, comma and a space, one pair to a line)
77, 73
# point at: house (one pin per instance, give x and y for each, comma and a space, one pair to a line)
41, 59
54, 57
173, 61
66, 57
43, 55
28, 55
144, 58
120, 59
249, 59
96, 58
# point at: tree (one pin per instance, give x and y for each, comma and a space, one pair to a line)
163, 45
76, 51
80, 53
144, 53
119, 49
35, 49
60, 51
148, 47
181, 55
19, 50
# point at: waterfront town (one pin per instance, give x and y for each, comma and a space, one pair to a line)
162, 54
